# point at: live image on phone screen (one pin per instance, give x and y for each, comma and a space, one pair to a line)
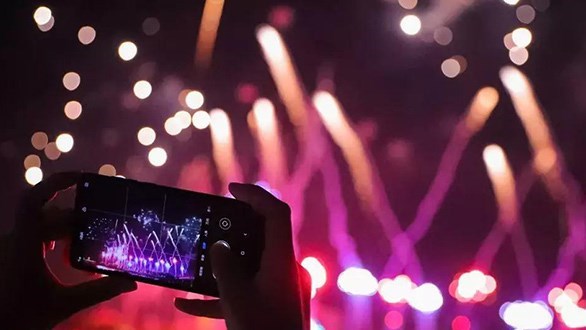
141, 230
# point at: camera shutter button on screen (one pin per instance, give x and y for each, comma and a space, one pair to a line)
225, 223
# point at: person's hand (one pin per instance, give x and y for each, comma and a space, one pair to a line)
30, 296
278, 296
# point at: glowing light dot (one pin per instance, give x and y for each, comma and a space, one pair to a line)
574, 317
72, 110
172, 126
107, 169
575, 291
52, 152
525, 14
461, 322
142, 89
127, 50
183, 118
47, 26
394, 320
518, 55
42, 15
511, 2
553, 295
451, 68
201, 119
150, 26
396, 290
408, 4
443, 36
86, 35
522, 37
357, 281
527, 315
71, 80
157, 157
146, 136
33, 175
426, 298
316, 270
39, 140
64, 142
508, 41
194, 100
32, 161
411, 25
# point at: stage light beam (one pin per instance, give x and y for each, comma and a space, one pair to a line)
208, 31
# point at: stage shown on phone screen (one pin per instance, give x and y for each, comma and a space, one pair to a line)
140, 230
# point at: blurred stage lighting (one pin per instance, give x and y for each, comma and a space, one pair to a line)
357, 282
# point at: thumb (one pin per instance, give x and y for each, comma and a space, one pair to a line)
76, 298
226, 269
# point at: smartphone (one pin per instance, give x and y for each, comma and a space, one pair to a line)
160, 235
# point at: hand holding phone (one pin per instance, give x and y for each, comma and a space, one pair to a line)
278, 296
160, 235
30, 296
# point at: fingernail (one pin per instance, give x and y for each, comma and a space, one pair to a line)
224, 243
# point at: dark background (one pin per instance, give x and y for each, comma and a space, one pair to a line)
380, 75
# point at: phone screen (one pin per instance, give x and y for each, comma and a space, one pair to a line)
155, 234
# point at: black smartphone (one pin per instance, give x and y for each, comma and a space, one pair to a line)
160, 235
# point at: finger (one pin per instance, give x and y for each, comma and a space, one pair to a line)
305, 292
277, 215
198, 307
57, 224
226, 268
38, 195
76, 298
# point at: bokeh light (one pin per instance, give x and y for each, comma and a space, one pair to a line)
451, 68
522, 37
72, 110
47, 26
518, 55
411, 25
408, 4
64, 142
316, 270
33, 175
357, 282
71, 80
183, 118
157, 157
426, 298
508, 41
39, 140
194, 100
461, 322
142, 89
525, 14
511, 2
146, 136
31, 161
150, 26
573, 316
527, 315
443, 35
127, 50
86, 35
394, 320
42, 15
107, 170
52, 152
172, 126
201, 119
396, 290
